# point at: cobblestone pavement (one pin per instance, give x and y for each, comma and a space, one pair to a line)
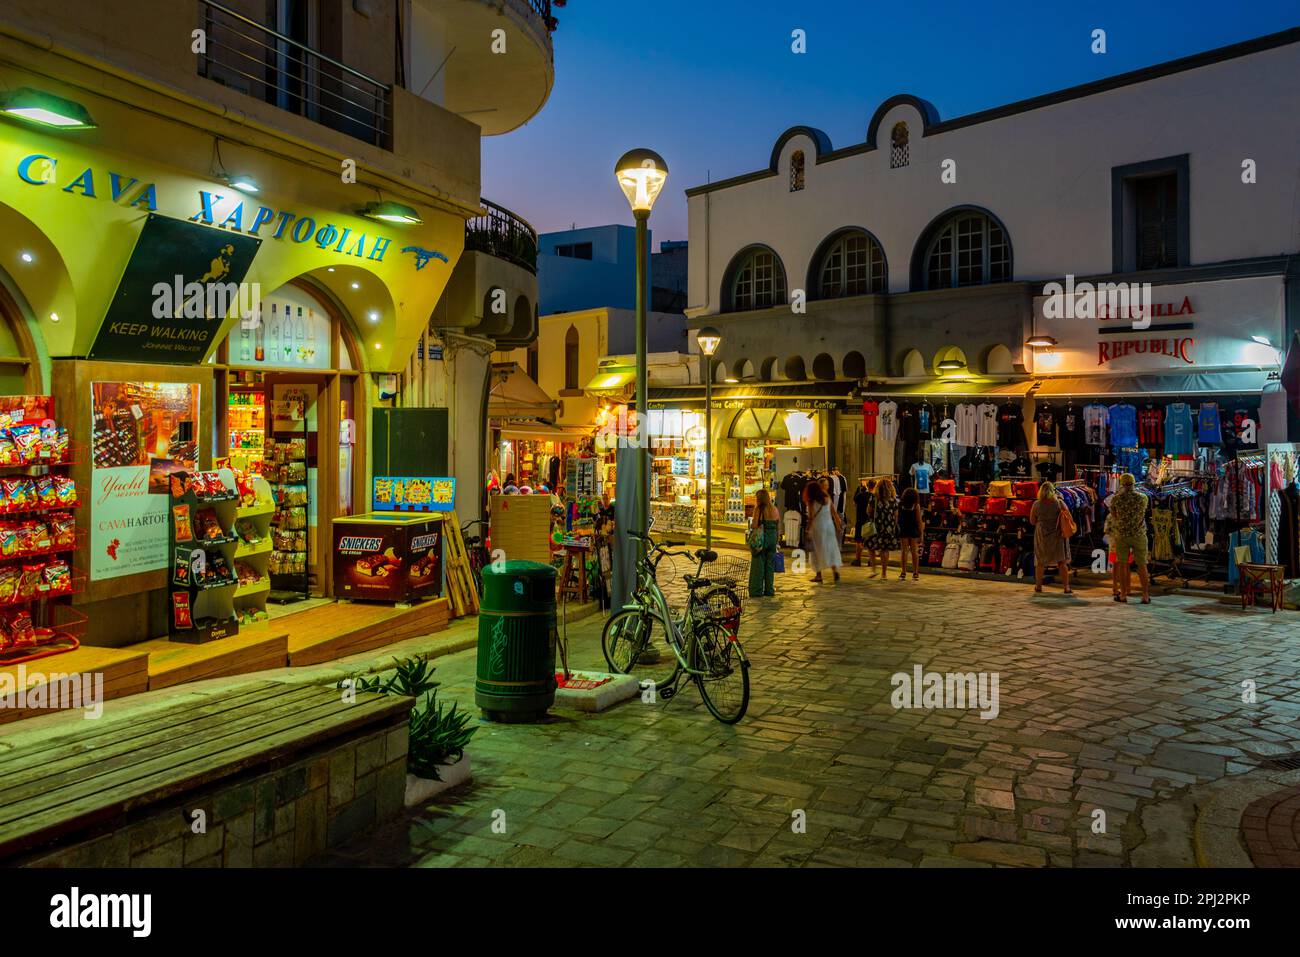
1104, 707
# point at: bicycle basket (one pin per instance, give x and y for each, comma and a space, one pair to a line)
722, 606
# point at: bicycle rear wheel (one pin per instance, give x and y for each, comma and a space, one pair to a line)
635, 642
724, 681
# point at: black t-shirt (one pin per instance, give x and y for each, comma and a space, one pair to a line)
1048, 471
1071, 428
909, 429
792, 490
1045, 425
1011, 427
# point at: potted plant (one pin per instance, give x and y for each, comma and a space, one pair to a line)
435, 758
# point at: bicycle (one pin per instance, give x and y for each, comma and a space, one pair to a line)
703, 642
477, 551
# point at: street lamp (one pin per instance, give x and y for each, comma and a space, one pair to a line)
708, 339
641, 174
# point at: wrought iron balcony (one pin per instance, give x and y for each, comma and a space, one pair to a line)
543, 9
501, 233
244, 55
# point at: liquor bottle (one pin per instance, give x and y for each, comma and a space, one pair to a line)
300, 337
261, 340
245, 347
275, 334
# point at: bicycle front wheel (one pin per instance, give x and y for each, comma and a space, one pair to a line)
723, 677
635, 642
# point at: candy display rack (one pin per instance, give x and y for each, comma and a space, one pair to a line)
253, 553
38, 533
285, 467
202, 519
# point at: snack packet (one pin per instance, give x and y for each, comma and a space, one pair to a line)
63, 530
9, 583
46, 494
22, 631
66, 490
181, 614
183, 531
57, 576
29, 581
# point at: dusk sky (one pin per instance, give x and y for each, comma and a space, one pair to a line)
710, 84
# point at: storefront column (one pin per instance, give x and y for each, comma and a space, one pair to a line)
466, 362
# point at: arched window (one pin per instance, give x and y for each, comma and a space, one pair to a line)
855, 366
571, 359
532, 360
899, 151
851, 263
756, 280
823, 367
968, 249
796, 170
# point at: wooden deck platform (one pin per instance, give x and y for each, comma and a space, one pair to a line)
125, 671
253, 649
347, 628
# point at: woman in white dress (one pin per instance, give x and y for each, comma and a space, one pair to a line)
824, 532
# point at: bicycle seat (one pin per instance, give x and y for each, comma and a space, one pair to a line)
707, 555
473, 540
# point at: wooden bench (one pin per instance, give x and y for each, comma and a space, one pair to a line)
107, 791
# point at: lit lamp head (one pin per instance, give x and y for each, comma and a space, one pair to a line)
1040, 341
951, 365
391, 212
708, 340
45, 109
641, 174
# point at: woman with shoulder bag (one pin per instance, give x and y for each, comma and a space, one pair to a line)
762, 545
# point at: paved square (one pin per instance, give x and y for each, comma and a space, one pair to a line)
1105, 709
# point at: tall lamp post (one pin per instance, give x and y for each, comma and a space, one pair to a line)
708, 340
641, 174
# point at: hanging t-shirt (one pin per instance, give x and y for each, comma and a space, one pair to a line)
884, 449
967, 418
1071, 429
870, 410
888, 426
1207, 424
1045, 425
1048, 471
1122, 419
908, 428
923, 419
1178, 429
1151, 426
921, 473
1011, 427
1095, 420
986, 432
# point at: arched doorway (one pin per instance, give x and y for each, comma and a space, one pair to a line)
20, 369
291, 407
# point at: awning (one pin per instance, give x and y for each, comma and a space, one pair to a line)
1177, 384
953, 387
515, 395
611, 381
779, 395
541, 432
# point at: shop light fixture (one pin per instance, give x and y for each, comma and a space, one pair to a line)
245, 184
54, 317
1262, 340
951, 365
374, 316
391, 212
1040, 341
329, 268
731, 380
26, 257
45, 109
356, 285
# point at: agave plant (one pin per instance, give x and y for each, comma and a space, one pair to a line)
437, 736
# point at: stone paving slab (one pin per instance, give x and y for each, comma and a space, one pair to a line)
1105, 712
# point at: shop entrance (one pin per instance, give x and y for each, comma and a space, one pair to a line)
300, 427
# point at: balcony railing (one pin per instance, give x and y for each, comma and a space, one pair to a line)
501, 233
246, 56
543, 9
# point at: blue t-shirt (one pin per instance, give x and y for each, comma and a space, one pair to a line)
1123, 426
922, 472
923, 420
1207, 424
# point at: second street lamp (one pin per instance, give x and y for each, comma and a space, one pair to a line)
708, 339
641, 174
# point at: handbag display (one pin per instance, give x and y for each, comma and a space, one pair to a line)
1000, 489
945, 487
952, 551
968, 557
996, 506
1020, 508
989, 558
1027, 490
936, 552
973, 488
968, 503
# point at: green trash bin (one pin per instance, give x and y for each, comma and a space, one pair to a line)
516, 642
